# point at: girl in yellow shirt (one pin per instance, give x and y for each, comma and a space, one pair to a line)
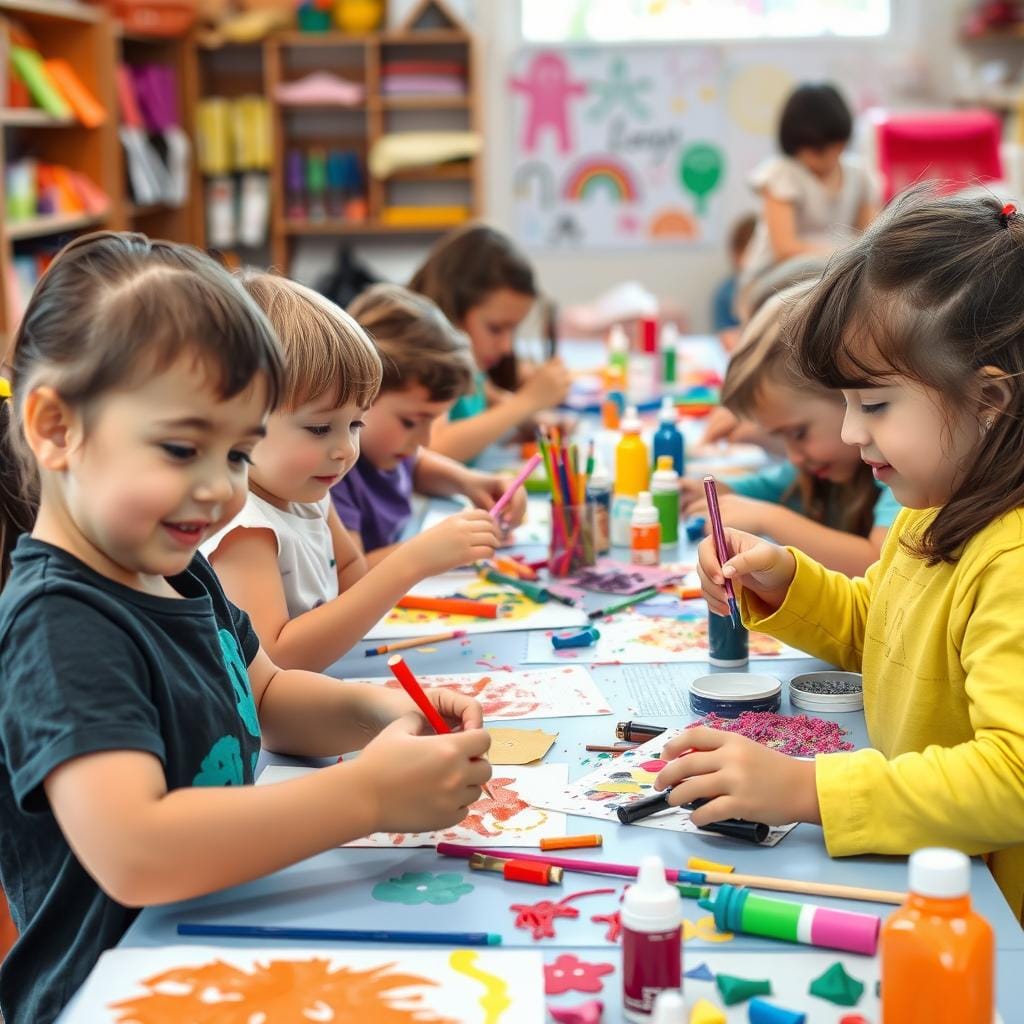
920, 324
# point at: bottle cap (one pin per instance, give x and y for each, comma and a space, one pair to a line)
631, 421
643, 500
669, 335
665, 463
943, 874
669, 1007
668, 410
652, 904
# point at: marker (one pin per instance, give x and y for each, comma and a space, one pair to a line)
735, 828
644, 595
531, 464
584, 638
411, 685
534, 591
638, 732
599, 748
513, 870
570, 842
640, 809
253, 931
419, 641
450, 605
721, 547
513, 568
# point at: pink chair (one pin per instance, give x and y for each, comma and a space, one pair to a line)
956, 148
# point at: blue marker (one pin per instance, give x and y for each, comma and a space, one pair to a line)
254, 931
585, 638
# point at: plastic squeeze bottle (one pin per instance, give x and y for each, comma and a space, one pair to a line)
644, 532
652, 958
667, 438
665, 494
631, 476
937, 954
599, 494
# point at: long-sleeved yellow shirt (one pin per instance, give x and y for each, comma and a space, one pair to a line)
942, 652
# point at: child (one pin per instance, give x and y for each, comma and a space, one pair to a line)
814, 196
287, 559
921, 326
824, 499
427, 365
723, 305
485, 287
133, 695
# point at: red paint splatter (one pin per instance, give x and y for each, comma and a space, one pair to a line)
570, 974
614, 922
539, 918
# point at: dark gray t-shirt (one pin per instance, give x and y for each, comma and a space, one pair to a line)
88, 665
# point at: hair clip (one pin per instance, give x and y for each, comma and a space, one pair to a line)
5, 389
1006, 214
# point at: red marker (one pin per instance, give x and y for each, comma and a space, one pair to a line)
411, 685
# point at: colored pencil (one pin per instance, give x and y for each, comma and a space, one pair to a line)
416, 641
644, 595
531, 464
721, 547
411, 685
597, 867
254, 931
450, 605
597, 748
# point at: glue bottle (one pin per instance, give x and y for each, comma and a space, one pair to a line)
599, 494
937, 953
652, 955
618, 350
665, 494
631, 476
667, 438
644, 532
668, 342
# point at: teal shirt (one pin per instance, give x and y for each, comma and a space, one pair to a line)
472, 404
772, 483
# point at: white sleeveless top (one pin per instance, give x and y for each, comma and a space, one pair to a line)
305, 549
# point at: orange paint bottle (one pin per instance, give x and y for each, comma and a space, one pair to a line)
938, 955
645, 532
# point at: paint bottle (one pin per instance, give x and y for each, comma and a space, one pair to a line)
599, 494
737, 909
668, 342
645, 372
618, 350
667, 438
632, 472
622, 520
614, 402
652, 955
728, 645
665, 494
937, 952
644, 532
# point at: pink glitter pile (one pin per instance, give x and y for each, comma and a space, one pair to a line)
799, 735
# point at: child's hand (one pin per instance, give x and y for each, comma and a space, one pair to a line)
379, 706
463, 538
416, 783
456, 708
548, 385
484, 489
740, 778
691, 490
739, 512
761, 567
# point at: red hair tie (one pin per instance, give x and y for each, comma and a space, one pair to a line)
1006, 214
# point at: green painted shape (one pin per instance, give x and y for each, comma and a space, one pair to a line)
738, 990
416, 887
837, 986
701, 170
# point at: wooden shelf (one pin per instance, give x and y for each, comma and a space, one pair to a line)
40, 227
344, 227
343, 39
33, 117
132, 211
461, 171
436, 36
423, 102
52, 10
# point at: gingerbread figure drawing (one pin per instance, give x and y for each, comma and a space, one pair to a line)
549, 92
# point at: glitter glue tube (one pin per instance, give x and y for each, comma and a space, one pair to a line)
652, 954
737, 909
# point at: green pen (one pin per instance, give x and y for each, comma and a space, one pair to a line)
644, 595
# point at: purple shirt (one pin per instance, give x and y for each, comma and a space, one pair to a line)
375, 503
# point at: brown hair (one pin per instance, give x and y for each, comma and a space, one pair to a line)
740, 234
417, 344
109, 308
933, 292
326, 351
466, 265
762, 356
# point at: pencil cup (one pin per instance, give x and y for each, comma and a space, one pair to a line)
571, 547
727, 644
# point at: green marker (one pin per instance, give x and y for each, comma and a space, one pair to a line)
533, 591
644, 595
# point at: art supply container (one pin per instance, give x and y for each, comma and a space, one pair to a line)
827, 693
644, 532
599, 496
571, 546
737, 909
937, 952
667, 438
652, 955
729, 694
632, 469
622, 520
727, 644
665, 494
668, 342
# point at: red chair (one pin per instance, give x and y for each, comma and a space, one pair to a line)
955, 148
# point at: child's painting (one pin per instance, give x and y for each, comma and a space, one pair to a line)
560, 692
619, 578
517, 611
174, 984
503, 816
632, 638
621, 780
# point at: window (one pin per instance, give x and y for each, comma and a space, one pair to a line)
602, 21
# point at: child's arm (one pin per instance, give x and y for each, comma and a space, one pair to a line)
246, 562
463, 440
780, 219
442, 477
351, 562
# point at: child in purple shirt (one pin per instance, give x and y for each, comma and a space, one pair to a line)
427, 366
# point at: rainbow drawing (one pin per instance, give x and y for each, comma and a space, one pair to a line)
600, 172
673, 222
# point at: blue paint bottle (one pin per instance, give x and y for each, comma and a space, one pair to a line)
667, 438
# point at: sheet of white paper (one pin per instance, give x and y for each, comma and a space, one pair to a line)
561, 692
630, 638
184, 983
621, 780
518, 611
505, 818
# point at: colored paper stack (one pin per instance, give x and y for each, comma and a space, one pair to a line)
423, 78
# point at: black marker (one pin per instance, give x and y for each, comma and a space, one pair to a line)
640, 809
735, 828
638, 732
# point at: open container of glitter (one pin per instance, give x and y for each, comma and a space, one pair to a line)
729, 694
827, 692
